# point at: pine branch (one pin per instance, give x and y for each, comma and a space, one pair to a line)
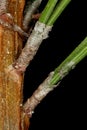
10, 47
43, 89
30, 11
39, 33
3, 6
55, 77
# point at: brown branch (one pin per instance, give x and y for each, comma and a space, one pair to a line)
6, 20
11, 82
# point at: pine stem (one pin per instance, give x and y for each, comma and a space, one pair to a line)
11, 114
39, 33
30, 11
55, 77
3, 6
43, 89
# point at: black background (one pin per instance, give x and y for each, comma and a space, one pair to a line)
65, 107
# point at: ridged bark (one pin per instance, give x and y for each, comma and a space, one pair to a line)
11, 114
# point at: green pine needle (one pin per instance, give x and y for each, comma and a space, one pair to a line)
57, 12
70, 62
47, 11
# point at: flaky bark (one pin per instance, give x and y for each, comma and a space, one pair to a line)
11, 115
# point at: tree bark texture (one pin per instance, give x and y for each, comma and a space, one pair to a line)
11, 113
